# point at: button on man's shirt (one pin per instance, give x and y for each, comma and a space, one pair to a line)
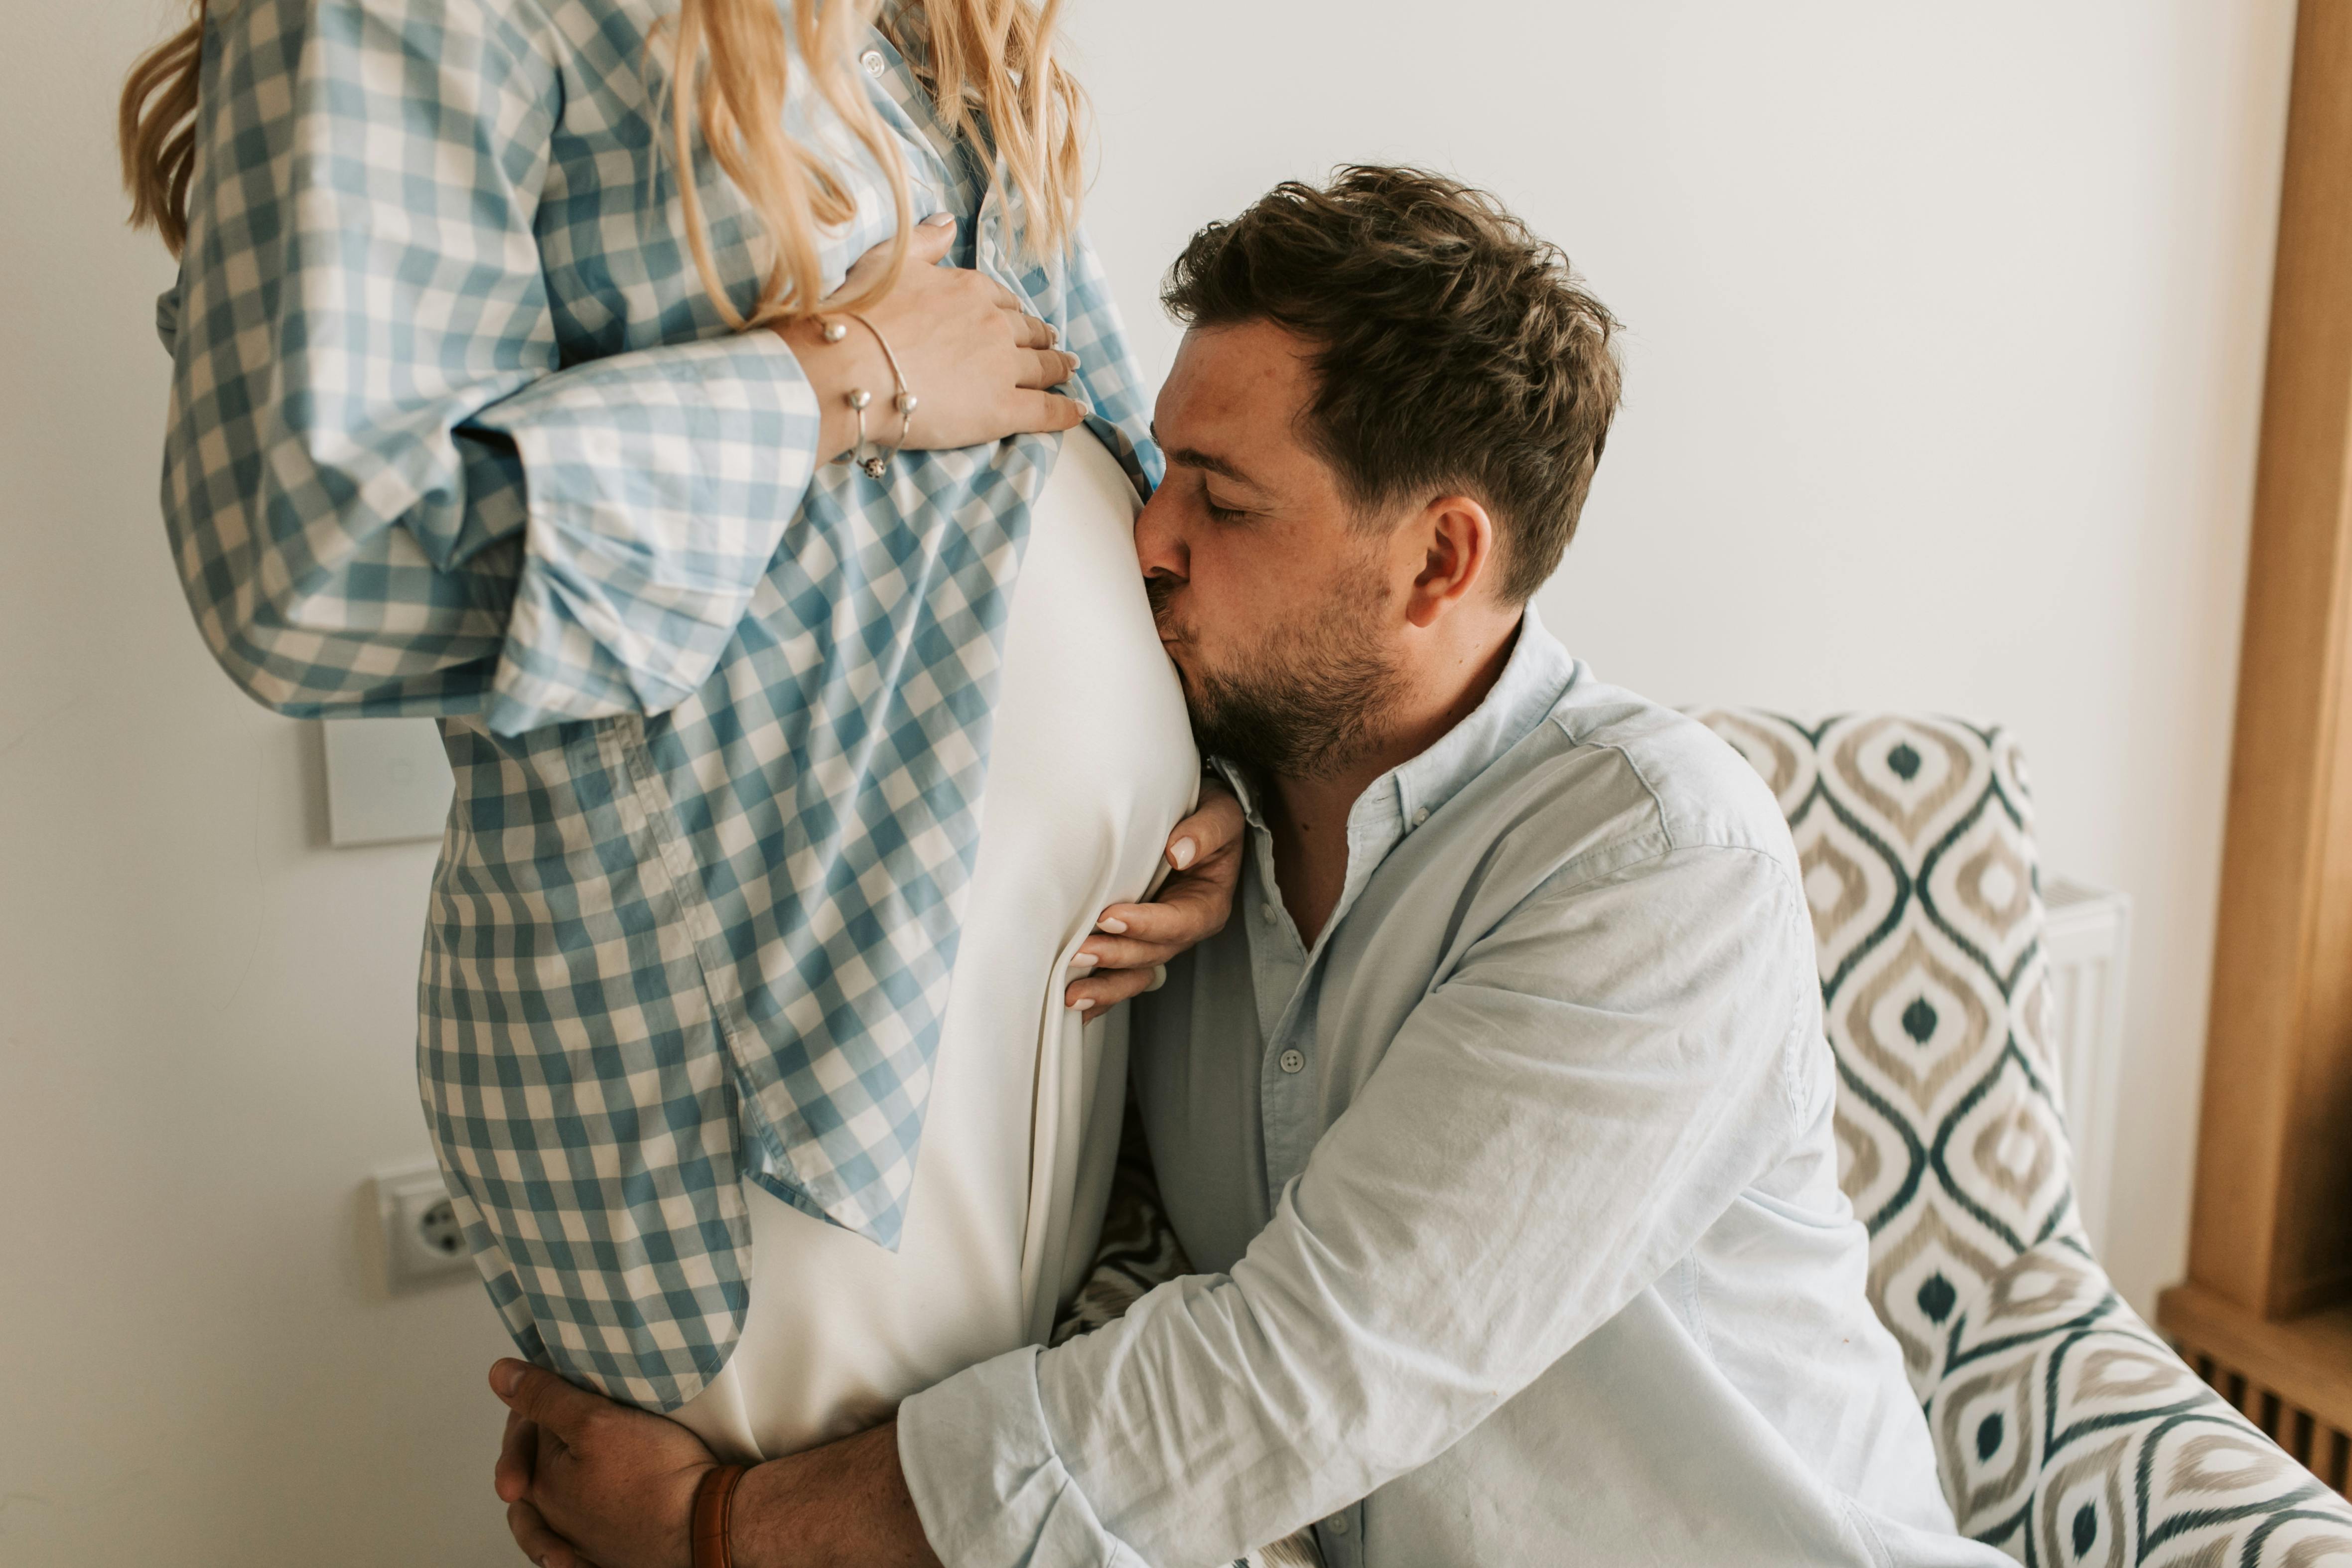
1545, 1263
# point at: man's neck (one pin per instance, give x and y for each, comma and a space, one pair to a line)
1308, 816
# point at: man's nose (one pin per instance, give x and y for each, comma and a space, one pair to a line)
1158, 542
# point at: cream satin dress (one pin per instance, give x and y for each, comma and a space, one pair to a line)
1092, 764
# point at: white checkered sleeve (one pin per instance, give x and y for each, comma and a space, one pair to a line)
387, 492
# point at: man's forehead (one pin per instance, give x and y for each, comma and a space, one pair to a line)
1244, 360
1234, 389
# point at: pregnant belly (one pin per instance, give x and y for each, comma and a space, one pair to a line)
1091, 764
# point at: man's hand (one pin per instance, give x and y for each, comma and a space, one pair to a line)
591, 1484
1132, 942
588, 1483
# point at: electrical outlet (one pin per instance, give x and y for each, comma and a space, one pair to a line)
387, 780
423, 1244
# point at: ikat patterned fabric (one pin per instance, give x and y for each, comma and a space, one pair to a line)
2068, 1432
454, 432
2071, 1434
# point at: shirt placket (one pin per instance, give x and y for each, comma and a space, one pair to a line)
1341, 1536
1285, 1021
1287, 979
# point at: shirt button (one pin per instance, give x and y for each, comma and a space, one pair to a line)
1293, 1061
872, 60
1337, 1525
1418, 819
1265, 912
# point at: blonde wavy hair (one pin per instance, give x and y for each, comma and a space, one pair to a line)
989, 65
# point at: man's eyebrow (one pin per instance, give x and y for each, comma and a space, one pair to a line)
1208, 462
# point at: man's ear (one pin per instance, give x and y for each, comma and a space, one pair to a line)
1456, 537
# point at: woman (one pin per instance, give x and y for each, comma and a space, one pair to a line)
515, 342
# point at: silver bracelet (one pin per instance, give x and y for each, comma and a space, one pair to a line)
877, 462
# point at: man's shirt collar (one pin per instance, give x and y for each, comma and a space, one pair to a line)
1534, 678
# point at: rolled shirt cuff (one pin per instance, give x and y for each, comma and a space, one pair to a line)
659, 483
987, 1483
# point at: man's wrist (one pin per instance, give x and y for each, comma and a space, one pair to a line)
758, 1530
710, 1537
845, 1505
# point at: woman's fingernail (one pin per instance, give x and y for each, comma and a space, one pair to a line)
1116, 928
1084, 962
1180, 853
939, 220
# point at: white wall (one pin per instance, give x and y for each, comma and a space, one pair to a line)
207, 1021
1946, 340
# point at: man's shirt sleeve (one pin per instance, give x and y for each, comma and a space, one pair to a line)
386, 490
1556, 1124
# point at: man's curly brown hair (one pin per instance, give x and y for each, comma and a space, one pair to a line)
1454, 350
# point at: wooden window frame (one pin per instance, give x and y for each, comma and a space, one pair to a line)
2268, 1302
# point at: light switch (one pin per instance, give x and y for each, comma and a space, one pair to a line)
387, 780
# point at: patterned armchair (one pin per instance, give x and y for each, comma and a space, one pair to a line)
2067, 1431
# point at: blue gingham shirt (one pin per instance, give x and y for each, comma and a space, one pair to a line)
456, 432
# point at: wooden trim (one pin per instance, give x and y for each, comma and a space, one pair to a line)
2272, 1226
2292, 1380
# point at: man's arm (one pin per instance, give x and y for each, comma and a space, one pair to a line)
590, 1483
1553, 1127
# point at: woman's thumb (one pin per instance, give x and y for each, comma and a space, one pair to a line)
930, 238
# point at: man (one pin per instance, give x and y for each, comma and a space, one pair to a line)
1498, 1120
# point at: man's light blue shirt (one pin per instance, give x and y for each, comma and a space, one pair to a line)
1513, 1200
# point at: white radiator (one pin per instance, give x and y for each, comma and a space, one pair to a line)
2088, 939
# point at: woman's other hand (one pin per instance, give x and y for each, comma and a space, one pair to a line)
1133, 942
980, 366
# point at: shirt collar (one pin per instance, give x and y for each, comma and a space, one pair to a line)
1535, 677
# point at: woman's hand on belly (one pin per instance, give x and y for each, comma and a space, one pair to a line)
979, 364
1133, 942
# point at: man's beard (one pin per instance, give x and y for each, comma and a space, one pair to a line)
1309, 700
